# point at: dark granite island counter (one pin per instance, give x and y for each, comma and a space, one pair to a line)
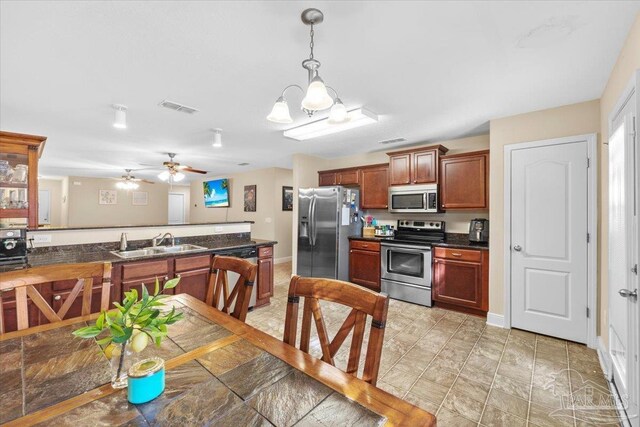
233, 374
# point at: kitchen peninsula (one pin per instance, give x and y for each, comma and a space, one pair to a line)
101, 244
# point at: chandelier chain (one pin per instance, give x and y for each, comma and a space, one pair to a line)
311, 43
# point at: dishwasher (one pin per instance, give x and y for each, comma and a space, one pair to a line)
251, 255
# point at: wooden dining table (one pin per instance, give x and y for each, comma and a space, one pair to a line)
219, 371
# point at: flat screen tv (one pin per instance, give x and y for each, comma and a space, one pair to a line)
216, 193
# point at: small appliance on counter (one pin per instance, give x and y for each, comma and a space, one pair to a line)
13, 246
479, 230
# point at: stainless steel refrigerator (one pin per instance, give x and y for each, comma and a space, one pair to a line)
327, 216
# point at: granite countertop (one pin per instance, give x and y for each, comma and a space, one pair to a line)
101, 252
452, 240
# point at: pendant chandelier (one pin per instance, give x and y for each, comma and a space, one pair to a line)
316, 97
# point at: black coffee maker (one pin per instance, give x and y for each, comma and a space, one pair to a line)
13, 246
479, 230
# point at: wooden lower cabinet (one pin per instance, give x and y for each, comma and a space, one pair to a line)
193, 272
265, 276
364, 263
11, 316
460, 279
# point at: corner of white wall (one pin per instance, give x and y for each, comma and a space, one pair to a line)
494, 319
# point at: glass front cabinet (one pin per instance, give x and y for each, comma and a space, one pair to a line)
19, 155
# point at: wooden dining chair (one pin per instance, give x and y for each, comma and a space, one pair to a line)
237, 302
24, 282
362, 301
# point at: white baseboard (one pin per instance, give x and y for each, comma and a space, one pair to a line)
282, 260
604, 358
494, 319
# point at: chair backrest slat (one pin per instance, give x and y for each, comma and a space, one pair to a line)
218, 294
24, 283
363, 302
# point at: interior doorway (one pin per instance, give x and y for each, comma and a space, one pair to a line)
44, 207
624, 313
550, 247
176, 208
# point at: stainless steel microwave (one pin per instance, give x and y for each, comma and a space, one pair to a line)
413, 198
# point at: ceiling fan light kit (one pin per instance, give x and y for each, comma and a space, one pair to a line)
316, 97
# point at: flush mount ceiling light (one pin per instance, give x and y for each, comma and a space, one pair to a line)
316, 96
217, 138
354, 119
120, 121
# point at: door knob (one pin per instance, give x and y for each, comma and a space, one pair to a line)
626, 293
57, 298
517, 248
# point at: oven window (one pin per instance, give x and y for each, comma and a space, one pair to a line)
407, 201
405, 263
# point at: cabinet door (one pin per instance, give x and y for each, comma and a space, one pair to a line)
148, 282
265, 279
464, 182
458, 282
425, 167
59, 297
326, 178
400, 169
364, 268
194, 283
374, 188
10, 314
348, 177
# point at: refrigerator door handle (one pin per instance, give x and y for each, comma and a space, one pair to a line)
312, 221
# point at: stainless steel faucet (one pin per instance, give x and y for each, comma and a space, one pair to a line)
157, 240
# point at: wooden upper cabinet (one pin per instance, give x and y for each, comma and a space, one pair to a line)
415, 166
374, 187
400, 169
464, 181
21, 149
326, 178
348, 177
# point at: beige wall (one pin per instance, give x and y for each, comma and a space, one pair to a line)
268, 205
575, 119
85, 210
56, 201
627, 64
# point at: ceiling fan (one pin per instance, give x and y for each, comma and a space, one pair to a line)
130, 182
175, 169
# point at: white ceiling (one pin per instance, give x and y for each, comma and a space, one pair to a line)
431, 70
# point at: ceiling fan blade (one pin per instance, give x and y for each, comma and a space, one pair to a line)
147, 181
189, 169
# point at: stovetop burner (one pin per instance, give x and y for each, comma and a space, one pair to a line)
421, 233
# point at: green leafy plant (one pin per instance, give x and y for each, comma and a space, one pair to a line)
135, 319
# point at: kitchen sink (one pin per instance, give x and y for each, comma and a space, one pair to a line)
176, 248
156, 250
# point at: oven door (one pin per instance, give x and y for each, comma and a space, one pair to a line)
406, 264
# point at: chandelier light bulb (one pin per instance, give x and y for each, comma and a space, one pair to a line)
178, 176
280, 112
217, 138
338, 113
317, 97
164, 176
120, 121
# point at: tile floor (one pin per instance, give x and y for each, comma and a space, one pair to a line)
467, 373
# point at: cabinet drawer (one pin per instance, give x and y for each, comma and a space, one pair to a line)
192, 263
145, 269
265, 252
365, 245
458, 254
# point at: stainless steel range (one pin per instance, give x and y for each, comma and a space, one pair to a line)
406, 260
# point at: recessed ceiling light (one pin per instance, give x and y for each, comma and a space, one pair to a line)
355, 118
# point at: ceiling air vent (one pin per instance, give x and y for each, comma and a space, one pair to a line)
243, 164
177, 107
393, 141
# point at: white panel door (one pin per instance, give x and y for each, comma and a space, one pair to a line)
44, 207
549, 240
623, 329
176, 208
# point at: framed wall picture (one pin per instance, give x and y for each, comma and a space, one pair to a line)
108, 197
250, 198
140, 198
287, 198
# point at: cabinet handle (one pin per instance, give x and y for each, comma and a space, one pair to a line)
178, 276
365, 246
166, 277
57, 298
456, 254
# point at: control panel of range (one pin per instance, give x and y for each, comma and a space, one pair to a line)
420, 225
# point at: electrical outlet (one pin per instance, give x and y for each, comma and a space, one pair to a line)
267, 220
41, 238
217, 229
